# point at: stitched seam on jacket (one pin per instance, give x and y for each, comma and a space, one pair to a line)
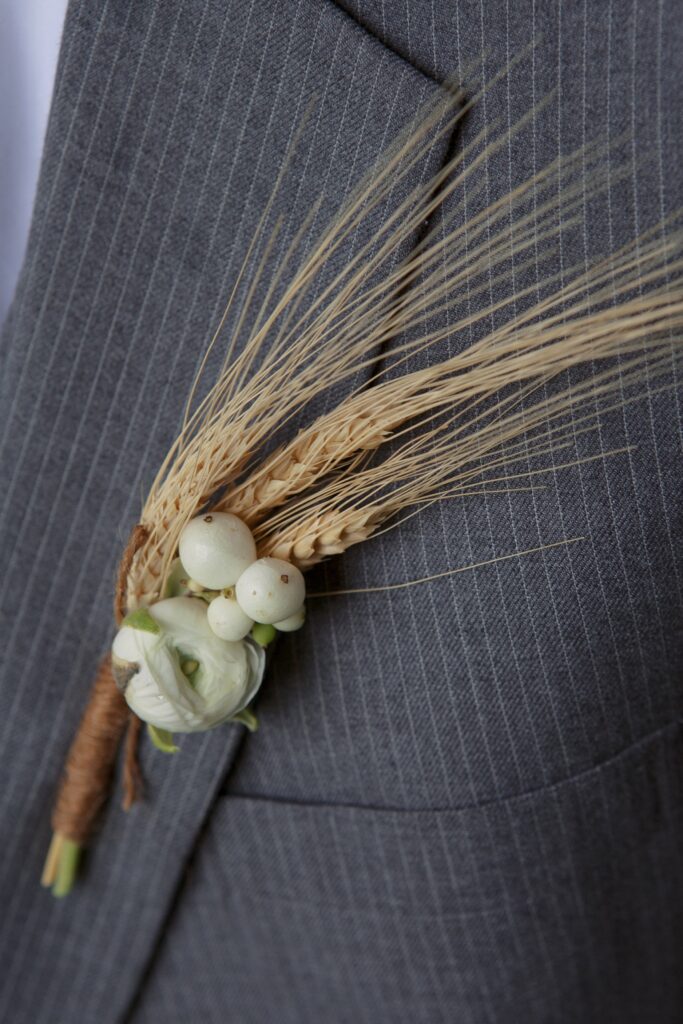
528, 794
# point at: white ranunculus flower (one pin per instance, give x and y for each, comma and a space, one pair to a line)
154, 643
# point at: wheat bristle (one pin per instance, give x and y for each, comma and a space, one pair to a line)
337, 480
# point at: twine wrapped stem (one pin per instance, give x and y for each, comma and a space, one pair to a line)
92, 756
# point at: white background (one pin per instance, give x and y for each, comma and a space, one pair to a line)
30, 32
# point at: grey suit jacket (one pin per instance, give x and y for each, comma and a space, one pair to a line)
464, 802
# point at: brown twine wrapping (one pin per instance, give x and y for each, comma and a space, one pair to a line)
91, 759
92, 755
132, 777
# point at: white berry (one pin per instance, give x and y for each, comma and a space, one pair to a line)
227, 619
215, 549
271, 590
294, 621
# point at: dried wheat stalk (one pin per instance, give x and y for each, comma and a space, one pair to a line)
315, 495
562, 331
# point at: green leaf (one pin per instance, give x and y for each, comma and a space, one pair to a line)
263, 634
141, 619
162, 740
246, 717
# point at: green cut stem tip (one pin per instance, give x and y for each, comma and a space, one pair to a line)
67, 868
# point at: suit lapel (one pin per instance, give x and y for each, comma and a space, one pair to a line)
168, 126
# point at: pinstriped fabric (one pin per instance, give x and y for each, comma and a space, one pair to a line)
168, 125
318, 892
520, 678
566, 656
463, 803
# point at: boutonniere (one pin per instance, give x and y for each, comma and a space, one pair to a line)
215, 568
